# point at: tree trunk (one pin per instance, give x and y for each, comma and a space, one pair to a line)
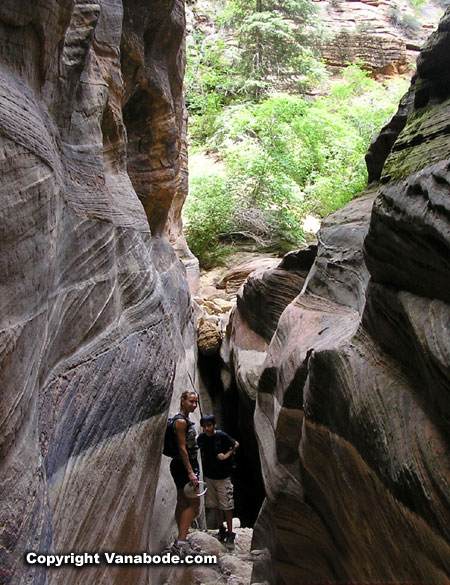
258, 56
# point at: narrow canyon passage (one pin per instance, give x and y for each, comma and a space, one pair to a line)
333, 371
233, 418
219, 392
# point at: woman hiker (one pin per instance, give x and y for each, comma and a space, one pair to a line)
184, 468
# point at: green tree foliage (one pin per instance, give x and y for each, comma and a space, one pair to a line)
250, 47
208, 83
275, 38
277, 157
281, 159
417, 4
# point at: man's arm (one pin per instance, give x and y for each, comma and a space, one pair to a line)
229, 453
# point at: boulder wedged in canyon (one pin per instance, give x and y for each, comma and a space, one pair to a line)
96, 324
350, 383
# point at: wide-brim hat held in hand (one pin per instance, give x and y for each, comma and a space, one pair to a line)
195, 492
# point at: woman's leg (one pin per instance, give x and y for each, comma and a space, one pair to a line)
180, 506
185, 512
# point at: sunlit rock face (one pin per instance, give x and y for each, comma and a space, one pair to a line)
152, 65
96, 311
385, 36
351, 392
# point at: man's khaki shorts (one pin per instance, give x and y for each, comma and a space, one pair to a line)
219, 494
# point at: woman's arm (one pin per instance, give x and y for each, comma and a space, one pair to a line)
180, 429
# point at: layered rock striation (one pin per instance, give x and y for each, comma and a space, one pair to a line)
96, 323
350, 379
384, 35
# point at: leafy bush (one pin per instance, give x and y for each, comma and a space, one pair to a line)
282, 159
417, 4
407, 22
208, 212
410, 24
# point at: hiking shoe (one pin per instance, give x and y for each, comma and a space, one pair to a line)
193, 546
181, 550
221, 535
229, 540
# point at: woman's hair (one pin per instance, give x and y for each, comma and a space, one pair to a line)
187, 393
206, 418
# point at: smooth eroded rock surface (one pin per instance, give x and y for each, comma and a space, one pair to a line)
96, 322
351, 388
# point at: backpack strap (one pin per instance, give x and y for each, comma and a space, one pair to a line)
179, 416
190, 423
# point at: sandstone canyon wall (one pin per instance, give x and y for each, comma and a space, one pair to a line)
348, 367
341, 351
384, 35
96, 320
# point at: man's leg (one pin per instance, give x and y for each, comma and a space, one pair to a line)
229, 519
211, 501
219, 517
226, 504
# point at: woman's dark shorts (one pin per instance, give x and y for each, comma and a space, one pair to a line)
179, 473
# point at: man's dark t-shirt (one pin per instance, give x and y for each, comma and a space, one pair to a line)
210, 447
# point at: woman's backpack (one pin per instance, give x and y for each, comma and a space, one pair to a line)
170, 448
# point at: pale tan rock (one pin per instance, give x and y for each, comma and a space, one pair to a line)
212, 292
208, 543
193, 575
233, 280
216, 306
223, 305
243, 542
240, 569
241, 579
371, 33
208, 307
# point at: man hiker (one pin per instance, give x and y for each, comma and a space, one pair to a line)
217, 450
